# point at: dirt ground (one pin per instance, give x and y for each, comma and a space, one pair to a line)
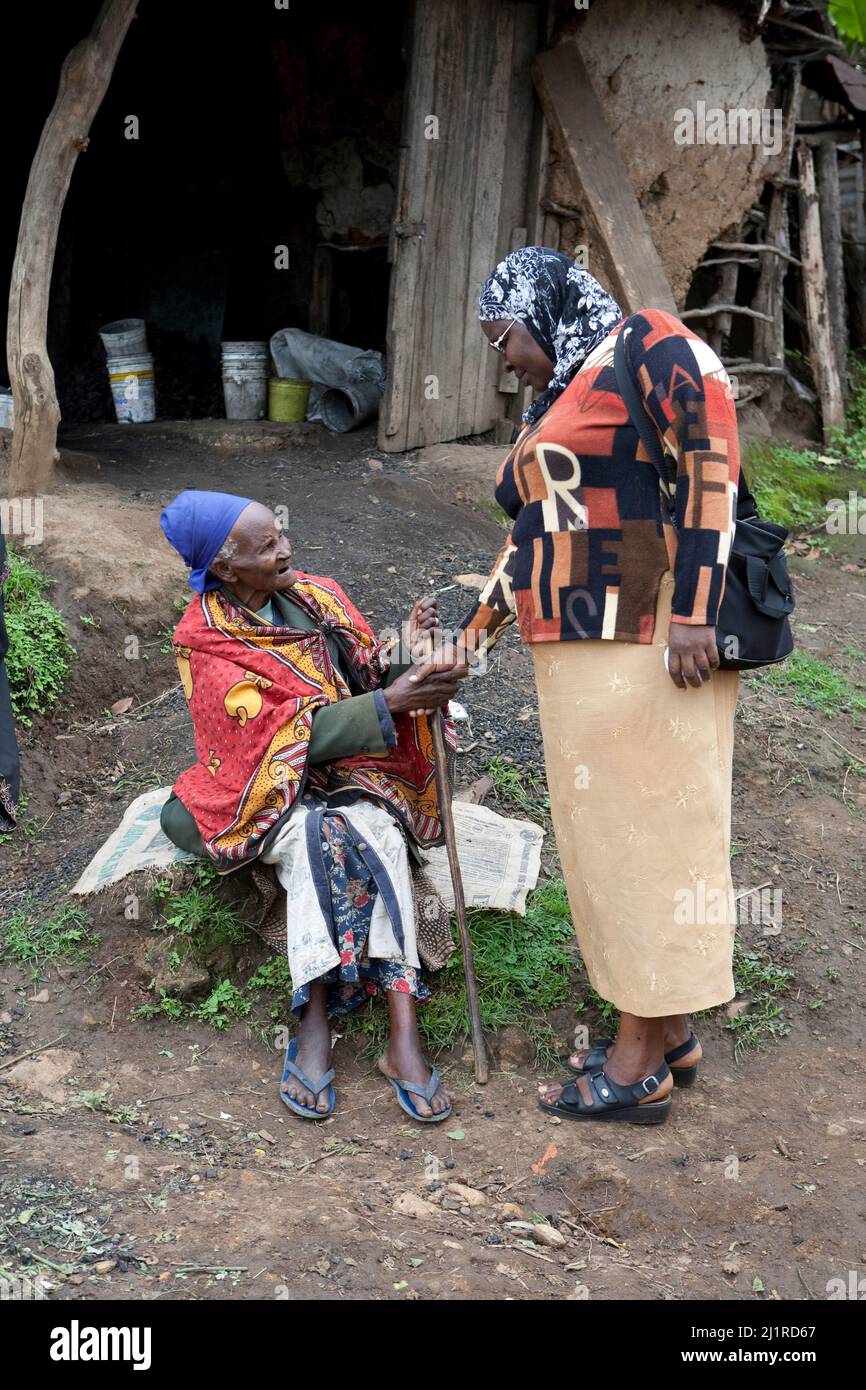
192, 1181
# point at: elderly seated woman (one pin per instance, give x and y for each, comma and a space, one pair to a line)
314, 755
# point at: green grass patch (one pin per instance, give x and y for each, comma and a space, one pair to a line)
165, 1006
790, 486
525, 968
32, 939
519, 787
223, 1006
39, 653
197, 921
812, 684
850, 442
763, 982
200, 918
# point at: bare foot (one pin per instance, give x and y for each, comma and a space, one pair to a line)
403, 1062
314, 1059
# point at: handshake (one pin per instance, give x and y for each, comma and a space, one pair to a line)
428, 686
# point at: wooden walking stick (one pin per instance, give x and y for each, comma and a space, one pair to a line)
446, 813
424, 645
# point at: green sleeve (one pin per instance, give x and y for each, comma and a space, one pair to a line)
179, 826
351, 726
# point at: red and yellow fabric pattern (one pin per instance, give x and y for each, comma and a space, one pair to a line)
252, 691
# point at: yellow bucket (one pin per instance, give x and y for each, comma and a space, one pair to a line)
287, 398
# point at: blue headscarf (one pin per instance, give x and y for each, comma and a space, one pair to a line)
197, 524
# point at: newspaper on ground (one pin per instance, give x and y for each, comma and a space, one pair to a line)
499, 857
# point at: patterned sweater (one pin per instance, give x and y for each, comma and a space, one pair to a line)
589, 544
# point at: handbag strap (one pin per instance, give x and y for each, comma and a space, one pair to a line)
747, 508
640, 418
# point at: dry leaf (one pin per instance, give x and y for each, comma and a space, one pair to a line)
549, 1153
121, 706
470, 581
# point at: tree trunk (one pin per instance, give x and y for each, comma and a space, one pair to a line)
84, 79
827, 170
821, 346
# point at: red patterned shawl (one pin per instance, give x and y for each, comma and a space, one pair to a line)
252, 692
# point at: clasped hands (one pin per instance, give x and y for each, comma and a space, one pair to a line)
429, 685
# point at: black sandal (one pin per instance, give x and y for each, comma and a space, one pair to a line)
611, 1101
683, 1076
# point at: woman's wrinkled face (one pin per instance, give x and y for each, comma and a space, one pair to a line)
260, 555
523, 356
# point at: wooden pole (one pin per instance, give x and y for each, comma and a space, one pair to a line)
769, 339
446, 815
726, 293
822, 351
615, 223
84, 79
827, 171
422, 648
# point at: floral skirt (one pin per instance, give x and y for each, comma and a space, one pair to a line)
353, 896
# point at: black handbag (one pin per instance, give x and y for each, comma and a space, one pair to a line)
752, 628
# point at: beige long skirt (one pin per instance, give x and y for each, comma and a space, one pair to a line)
640, 791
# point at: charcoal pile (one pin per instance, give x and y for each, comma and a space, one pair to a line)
188, 384
83, 392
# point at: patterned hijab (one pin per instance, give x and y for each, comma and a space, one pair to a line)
563, 307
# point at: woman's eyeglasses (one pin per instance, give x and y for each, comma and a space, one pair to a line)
501, 339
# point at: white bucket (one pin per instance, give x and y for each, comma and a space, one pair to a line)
245, 351
245, 380
7, 408
124, 338
132, 387
245, 390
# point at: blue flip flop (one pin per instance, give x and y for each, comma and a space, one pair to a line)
292, 1069
403, 1089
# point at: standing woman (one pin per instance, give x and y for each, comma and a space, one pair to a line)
620, 614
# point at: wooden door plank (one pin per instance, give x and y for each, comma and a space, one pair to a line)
517, 148
613, 214
477, 367
449, 201
821, 349
409, 229
458, 199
